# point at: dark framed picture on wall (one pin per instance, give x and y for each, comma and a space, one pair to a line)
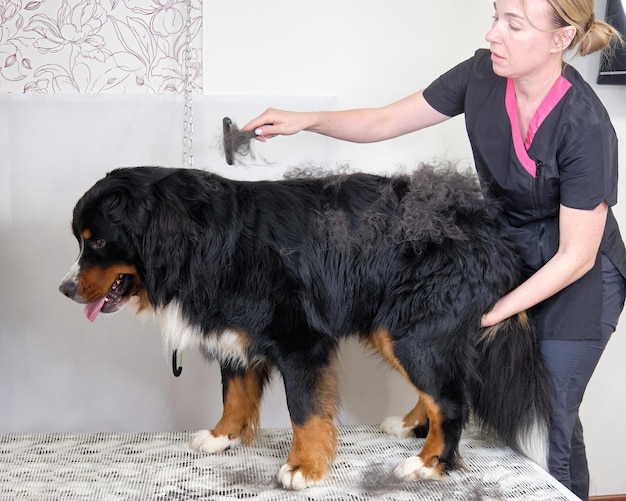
613, 65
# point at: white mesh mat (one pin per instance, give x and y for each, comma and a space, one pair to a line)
161, 466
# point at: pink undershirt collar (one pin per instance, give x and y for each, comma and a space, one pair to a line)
558, 90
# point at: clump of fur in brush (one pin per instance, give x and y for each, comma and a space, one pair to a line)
236, 142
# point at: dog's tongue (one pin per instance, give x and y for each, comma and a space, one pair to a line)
92, 309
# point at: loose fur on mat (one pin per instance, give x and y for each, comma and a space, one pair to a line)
271, 275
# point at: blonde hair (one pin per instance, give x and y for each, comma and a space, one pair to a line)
592, 34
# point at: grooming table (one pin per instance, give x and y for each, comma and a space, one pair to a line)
161, 466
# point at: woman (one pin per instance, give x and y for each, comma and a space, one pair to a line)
544, 147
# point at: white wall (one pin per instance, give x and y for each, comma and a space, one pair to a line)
60, 373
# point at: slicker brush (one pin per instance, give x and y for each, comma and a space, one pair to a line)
236, 142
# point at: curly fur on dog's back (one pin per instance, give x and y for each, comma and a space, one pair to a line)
424, 205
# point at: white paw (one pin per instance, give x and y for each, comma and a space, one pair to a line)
205, 441
394, 426
413, 469
291, 478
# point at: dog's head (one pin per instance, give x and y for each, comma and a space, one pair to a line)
139, 230
106, 223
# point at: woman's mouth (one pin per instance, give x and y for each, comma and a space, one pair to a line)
496, 57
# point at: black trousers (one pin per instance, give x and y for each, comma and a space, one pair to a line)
571, 364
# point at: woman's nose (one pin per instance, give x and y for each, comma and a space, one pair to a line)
493, 35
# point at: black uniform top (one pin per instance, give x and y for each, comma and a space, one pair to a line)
569, 158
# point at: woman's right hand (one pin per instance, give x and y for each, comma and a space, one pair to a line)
273, 122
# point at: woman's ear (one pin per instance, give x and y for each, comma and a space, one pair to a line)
563, 38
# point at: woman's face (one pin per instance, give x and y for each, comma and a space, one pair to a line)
522, 41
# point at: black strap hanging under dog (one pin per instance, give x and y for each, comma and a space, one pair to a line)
177, 368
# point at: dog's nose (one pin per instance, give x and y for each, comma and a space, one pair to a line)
68, 288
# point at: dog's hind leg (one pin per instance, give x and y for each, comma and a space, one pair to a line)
242, 391
414, 424
444, 416
312, 399
439, 448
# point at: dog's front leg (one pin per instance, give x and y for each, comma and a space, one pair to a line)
242, 391
312, 453
311, 398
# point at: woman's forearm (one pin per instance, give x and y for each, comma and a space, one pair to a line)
554, 276
365, 125
580, 236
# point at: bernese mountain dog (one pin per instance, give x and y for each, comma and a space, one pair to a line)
272, 275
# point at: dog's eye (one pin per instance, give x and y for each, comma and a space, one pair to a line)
100, 243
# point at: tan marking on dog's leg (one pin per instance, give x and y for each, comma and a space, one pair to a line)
312, 452
381, 342
426, 464
240, 417
314, 443
417, 416
404, 427
435, 442
394, 425
327, 390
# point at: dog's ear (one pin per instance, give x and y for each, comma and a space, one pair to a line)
166, 244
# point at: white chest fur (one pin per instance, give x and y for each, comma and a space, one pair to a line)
228, 346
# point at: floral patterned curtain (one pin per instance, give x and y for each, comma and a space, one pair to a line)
100, 46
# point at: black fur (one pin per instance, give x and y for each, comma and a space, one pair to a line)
301, 263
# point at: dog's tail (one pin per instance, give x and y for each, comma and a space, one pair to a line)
512, 397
